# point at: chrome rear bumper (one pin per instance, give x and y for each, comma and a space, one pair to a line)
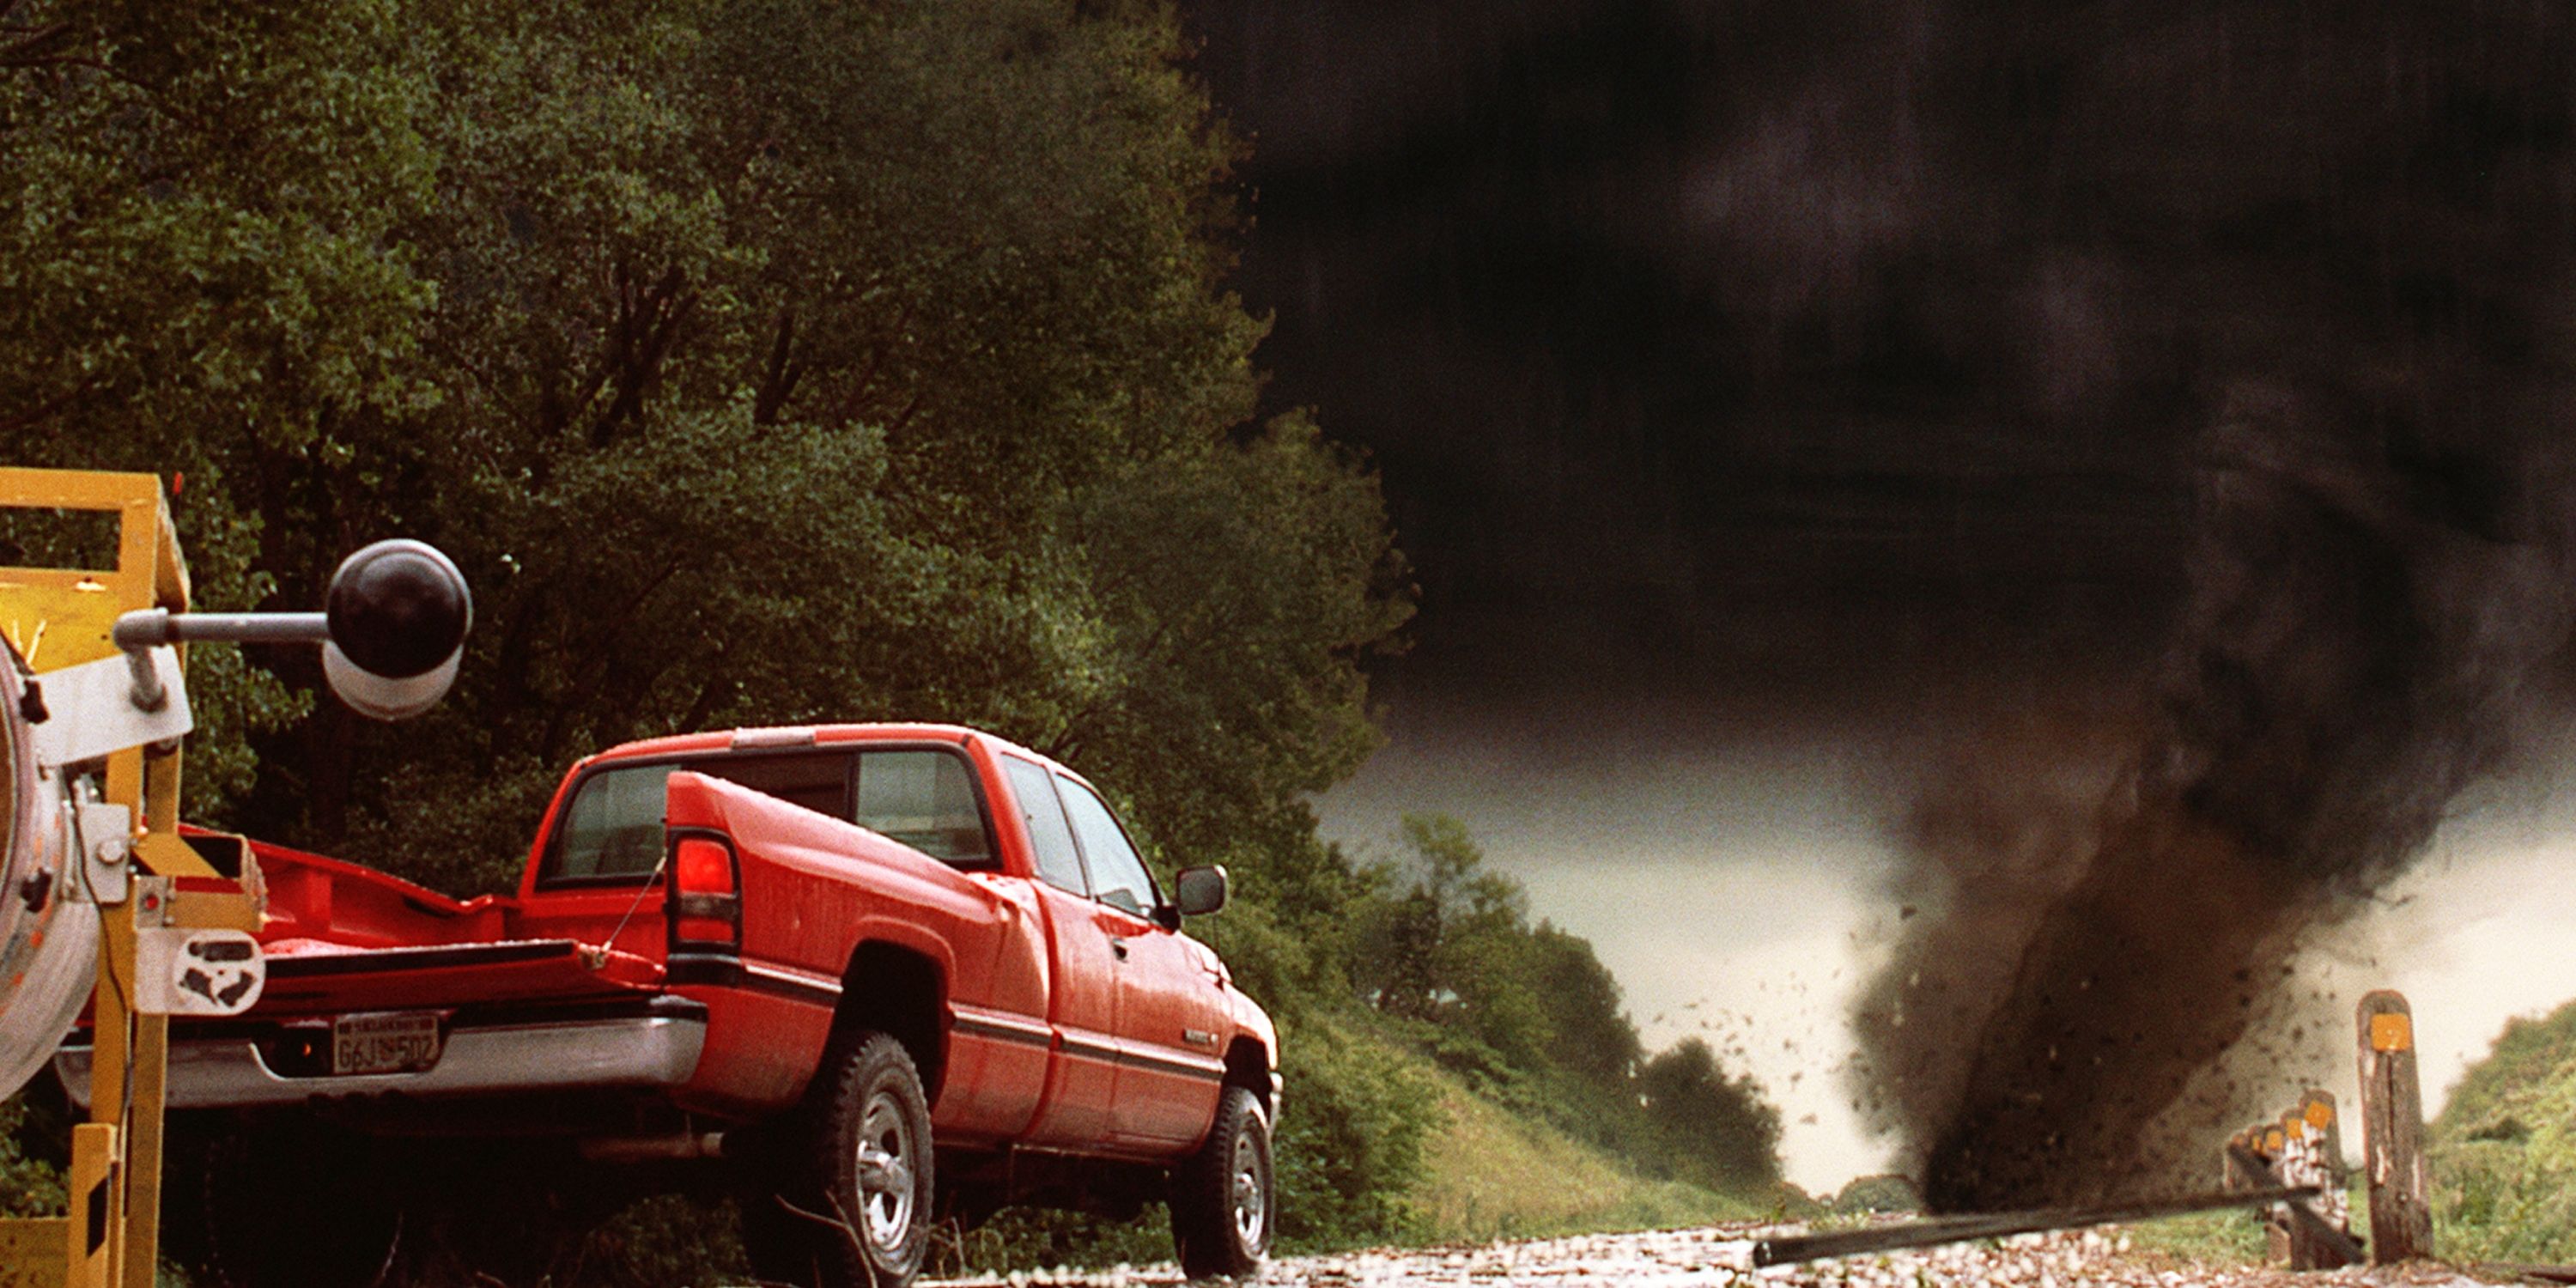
629, 1051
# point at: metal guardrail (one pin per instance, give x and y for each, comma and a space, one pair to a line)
1934, 1231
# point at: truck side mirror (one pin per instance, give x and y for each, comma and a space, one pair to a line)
1199, 891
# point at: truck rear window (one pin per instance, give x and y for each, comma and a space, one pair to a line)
923, 799
614, 828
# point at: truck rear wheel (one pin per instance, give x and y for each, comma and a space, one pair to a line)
863, 1173
276, 1201
1222, 1201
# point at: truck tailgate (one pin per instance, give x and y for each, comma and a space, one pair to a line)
307, 976
521, 1018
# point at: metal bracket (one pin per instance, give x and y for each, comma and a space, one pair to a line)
103, 834
190, 971
103, 707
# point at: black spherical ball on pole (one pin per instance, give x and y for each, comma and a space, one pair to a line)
398, 608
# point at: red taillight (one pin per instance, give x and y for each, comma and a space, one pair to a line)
702, 892
704, 866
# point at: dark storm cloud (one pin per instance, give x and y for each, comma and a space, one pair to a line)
1677, 322
2198, 369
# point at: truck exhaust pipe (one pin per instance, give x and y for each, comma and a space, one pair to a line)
683, 1146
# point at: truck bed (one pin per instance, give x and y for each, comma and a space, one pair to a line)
512, 1015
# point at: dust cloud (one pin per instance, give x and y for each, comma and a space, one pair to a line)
2377, 617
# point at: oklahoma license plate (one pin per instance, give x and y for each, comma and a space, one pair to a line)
391, 1042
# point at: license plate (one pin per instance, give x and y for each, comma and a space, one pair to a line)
401, 1042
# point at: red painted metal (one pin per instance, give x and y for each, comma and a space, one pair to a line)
1064, 1022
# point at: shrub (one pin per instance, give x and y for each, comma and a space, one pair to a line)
1348, 1152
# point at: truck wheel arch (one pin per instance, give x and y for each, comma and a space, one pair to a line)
1247, 1065
901, 992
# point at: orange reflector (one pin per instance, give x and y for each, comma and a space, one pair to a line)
2320, 1114
2392, 1032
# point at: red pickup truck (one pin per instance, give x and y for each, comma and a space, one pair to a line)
872, 972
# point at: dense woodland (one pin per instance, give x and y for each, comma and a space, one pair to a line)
769, 361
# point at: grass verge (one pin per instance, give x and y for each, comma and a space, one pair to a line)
1492, 1174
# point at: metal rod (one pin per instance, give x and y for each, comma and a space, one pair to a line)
149, 694
152, 626
1931, 1231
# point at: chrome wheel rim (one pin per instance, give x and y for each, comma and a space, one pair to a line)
886, 1155
1250, 1203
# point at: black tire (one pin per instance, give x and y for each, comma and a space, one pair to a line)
864, 1163
1223, 1206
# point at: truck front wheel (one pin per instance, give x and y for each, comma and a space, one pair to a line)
861, 1175
1222, 1204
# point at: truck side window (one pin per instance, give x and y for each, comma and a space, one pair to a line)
1058, 865
926, 800
1118, 877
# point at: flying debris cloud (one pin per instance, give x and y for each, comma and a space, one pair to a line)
2336, 240
2375, 607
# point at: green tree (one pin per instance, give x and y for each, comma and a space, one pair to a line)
762, 361
1454, 947
204, 270
1589, 1035
1711, 1127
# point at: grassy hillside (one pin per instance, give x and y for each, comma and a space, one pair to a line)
1490, 1173
2503, 1153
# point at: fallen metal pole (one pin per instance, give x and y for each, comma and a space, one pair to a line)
1931, 1231
2546, 1274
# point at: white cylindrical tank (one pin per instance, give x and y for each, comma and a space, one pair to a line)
48, 935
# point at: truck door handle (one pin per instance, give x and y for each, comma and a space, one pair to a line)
1118, 946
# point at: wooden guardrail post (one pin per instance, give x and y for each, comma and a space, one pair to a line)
2271, 1145
2233, 1174
2392, 1132
2313, 1156
2297, 1159
2325, 1128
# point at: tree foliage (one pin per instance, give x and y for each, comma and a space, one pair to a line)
2503, 1153
760, 362
1711, 1127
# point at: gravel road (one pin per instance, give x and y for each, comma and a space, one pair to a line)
1720, 1257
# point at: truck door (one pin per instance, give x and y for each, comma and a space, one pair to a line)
1170, 1068
1082, 998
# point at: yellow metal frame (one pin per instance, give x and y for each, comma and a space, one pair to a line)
58, 618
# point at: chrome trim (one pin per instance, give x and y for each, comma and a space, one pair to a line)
1001, 1026
791, 975
642, 1051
